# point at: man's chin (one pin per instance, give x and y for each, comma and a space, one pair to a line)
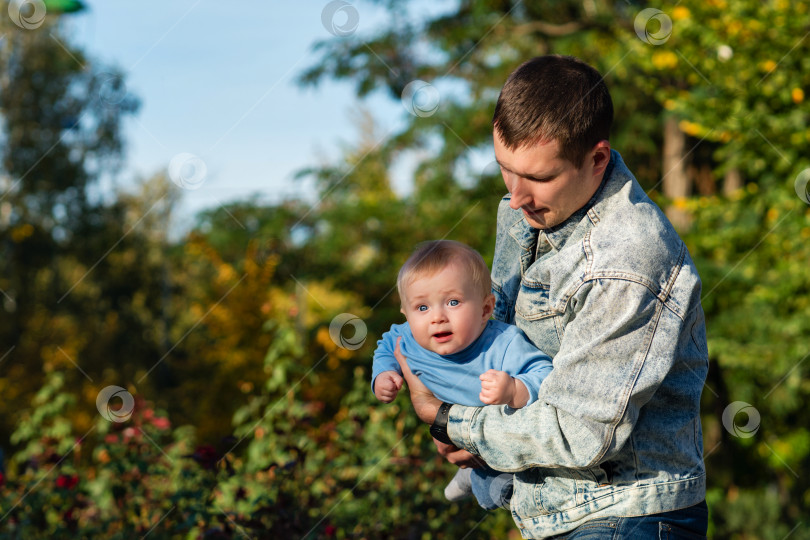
537, 224
546, 222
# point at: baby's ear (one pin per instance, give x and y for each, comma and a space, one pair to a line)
489, 305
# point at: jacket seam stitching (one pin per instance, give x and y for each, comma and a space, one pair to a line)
628, 392
636, 487
626, 276
676, 270
669, 302
586, 247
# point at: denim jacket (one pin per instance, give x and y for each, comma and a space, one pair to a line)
614, 297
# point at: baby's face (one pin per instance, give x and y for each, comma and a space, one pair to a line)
445, 310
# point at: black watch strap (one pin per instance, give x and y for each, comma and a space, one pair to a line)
439, 428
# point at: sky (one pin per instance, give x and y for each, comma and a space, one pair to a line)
220, 110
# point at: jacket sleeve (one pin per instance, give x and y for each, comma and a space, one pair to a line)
526, 363
384, 354
586, 409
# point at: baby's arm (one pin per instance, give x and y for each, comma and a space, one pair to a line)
500, 388
387, 386
529, 365
386, 378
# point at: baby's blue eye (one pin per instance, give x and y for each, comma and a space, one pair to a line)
453, 302
423, 307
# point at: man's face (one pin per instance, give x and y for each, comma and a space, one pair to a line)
445, 310
548, 188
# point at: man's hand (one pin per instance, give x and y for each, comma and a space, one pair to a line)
387, 385
424, 402
500, 388
459, 457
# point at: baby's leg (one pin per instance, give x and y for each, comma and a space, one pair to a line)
493, 489
459, 487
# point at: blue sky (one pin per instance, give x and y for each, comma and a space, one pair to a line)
216, 80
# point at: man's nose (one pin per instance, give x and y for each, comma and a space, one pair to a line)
517, 187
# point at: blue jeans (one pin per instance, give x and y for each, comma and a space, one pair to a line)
491, 488
685, 524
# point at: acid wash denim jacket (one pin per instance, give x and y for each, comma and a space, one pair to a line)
614, 297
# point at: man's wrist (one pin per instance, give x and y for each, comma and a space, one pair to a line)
439, 427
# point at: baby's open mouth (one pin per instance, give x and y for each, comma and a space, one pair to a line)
442, 335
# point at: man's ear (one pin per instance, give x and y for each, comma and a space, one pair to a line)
601, 157
489, 306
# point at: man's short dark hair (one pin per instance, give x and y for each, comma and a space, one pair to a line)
554, 98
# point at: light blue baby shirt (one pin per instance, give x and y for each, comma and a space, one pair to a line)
454, 377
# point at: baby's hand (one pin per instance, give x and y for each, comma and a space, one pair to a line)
497, 387
387, 385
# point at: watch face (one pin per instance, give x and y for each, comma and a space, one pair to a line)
440, 434
443, 413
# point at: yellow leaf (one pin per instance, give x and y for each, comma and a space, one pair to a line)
734, 28
690, 128
680, 13
664, 59
21, 232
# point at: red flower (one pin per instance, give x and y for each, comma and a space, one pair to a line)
161, 423
65, 481
330, 530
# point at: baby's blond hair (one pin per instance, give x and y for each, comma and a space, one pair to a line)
435, 255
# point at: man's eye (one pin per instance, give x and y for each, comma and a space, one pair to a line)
453, 302
422, 308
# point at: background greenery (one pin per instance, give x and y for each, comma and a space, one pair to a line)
250, 420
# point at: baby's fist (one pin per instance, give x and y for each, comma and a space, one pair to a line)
387, 386
497, 387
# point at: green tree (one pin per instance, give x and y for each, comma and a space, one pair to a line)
61, 117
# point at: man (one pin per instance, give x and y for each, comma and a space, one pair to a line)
594, 274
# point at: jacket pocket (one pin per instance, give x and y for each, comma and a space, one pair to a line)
525, 495
533, 301
536, 494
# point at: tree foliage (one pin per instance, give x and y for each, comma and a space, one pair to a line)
252, 411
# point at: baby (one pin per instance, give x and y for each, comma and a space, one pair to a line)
455, 349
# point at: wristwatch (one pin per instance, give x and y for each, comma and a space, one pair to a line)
439, 427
